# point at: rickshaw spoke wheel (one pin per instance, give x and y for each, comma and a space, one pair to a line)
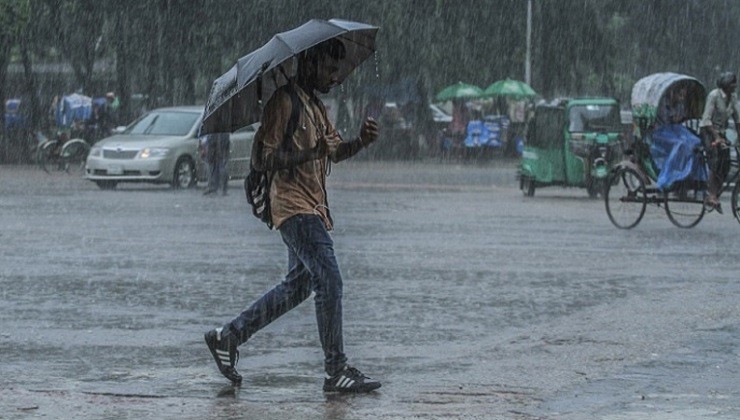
625, 198
685, 209
734, 200
46, 158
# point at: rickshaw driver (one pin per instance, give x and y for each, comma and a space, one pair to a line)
719, 107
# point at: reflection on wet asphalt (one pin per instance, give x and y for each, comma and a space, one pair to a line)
465, 298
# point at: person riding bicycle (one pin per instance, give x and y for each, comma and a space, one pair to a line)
719, 108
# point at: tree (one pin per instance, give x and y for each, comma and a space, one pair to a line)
78, 25
11, 22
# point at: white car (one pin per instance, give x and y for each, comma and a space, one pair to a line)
162, 147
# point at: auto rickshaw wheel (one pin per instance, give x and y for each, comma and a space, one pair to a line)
625, 198
685, 206
526, 184
595, 187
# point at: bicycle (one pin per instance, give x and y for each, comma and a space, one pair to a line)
59, 154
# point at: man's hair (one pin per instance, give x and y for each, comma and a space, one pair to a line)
726, 79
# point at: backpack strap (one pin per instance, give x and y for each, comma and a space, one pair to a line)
292, 126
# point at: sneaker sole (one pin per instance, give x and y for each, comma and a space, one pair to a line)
359, 390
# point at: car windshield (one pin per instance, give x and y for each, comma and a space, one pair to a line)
589, 118
168, 123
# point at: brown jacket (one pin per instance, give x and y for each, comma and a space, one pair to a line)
305, 191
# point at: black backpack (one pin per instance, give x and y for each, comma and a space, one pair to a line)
258, 181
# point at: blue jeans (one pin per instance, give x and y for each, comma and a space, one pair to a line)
312, 267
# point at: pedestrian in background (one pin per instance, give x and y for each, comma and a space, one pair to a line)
217, 146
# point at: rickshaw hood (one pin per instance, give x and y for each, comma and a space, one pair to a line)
648, 92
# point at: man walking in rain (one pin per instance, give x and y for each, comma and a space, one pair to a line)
301, 213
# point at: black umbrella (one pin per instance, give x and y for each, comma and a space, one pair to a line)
237, 96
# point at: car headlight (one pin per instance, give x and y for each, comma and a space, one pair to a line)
153, 153
96, 152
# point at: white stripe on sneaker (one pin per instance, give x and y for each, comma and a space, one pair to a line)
223, 356
345, 382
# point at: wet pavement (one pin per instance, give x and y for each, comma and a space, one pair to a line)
466, 299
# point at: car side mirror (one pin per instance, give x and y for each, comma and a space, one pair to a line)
120, 129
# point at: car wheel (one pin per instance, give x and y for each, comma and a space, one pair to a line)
107, 185
184, 176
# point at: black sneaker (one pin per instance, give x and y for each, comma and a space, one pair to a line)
225, 354
350, 379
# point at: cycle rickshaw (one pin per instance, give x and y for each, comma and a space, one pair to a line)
77, 131
636, 181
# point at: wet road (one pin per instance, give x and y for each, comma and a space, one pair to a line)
465, 298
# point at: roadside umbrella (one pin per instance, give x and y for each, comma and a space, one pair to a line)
237, 96
459, 90
510, 88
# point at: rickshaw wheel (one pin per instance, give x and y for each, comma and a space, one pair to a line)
734, 201
46, 157
686, 210
625, 198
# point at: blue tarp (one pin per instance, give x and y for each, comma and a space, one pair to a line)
72, 108
488, 132
477, 134
674, 152
13, 117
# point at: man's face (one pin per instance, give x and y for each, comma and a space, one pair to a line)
326, 73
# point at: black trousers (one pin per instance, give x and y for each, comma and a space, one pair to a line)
718, 158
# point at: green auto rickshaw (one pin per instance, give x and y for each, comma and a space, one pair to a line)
572, 143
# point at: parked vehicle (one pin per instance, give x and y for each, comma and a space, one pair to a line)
67, 147
572, 143
162, 147
17, 140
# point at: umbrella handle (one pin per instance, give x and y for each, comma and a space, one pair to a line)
259, 90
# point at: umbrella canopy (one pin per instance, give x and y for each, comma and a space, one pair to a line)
510, 88
237, 96
459, 90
